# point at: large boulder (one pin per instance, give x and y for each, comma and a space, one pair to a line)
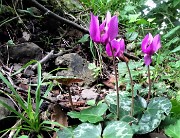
77, 67
21, 53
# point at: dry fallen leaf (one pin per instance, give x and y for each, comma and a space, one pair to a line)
89, 94
110, 82
59, 115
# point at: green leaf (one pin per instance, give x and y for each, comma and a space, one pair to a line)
176, 49
65, 133
92, 49
175, 111
92, 114
151, 19
131, 35
175, 2
129, 8
170, 33
32, 11
133, 17
117, 129
156, 111
142, 21
87, 130
139, 104
125, 101
92, 66
129, 119
84, 39
10, 43
172, 41
173, 130
24, 136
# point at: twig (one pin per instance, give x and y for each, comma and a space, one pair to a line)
45, 59
51, 55
131, 56
70, 98
57, 17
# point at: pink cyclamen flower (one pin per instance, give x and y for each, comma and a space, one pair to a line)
149, 46
118, 47
105, 32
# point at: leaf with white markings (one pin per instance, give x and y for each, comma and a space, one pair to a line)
87, 130
156, 111
117, 129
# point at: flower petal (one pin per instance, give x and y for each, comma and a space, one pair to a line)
102, 26
145, 45
94, 29
108, 17
156, 43
116, 47
104, 37
122, 45
108, 50
113, 28
147, 59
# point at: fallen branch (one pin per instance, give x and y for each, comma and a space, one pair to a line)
57, 17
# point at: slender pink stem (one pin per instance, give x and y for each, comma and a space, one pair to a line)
116, 78
132, 89
149, 79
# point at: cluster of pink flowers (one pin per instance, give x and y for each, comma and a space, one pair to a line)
106, 33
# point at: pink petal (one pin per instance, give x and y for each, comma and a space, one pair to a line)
102, 26
108, 17
147, 59
113, 28
146, 43
122, 45
116, 47
108, 50
156, 43
94, 29
104, 37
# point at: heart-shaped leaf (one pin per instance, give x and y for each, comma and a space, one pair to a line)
117, 129
92, 114
87, 130
156, 111
65, 133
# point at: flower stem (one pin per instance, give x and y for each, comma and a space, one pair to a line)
132, 89
70, 98
116, 78
149, 79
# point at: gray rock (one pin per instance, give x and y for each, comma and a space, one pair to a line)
77, 67
4, 112
21, 53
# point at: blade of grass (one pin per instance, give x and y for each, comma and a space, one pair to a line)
30, 112
24, 67
19, 100
46, 93
14, 111
38, 92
